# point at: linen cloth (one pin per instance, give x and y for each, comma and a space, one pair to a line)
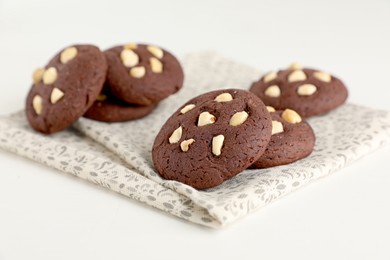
118, 155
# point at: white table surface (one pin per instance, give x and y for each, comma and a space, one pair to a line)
46, 214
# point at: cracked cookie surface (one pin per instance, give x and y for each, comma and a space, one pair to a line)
65, 88
212, 137
309, 92
143, 74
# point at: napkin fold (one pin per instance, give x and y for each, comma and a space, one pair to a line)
118, 155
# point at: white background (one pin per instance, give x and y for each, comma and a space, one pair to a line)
45, 214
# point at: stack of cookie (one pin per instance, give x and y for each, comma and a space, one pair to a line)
138, 77
217, 135
122, 83
295, 92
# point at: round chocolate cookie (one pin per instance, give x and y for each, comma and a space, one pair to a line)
307, 91
212, 137
292, 139
65, 88
143, 74
108, 108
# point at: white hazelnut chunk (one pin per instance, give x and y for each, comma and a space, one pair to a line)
101, 97
56, 94
277, 127
224, 97
238, 118
205, 118
137, 72
156, 65
291, 116
49, 76
296, 75
130, 46
129, 58
185, 145
295, 66
217, 144
323, 76
156, 51
187, 108
270, 76
176, 135
37, 104
68, 54
306, 90
273, 91
270, 109
37, 75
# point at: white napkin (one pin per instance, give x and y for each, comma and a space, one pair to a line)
118, 156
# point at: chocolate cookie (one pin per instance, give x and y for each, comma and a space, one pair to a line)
65, 88
108, 108
212, 137
292, 139
307, 91
143, 74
